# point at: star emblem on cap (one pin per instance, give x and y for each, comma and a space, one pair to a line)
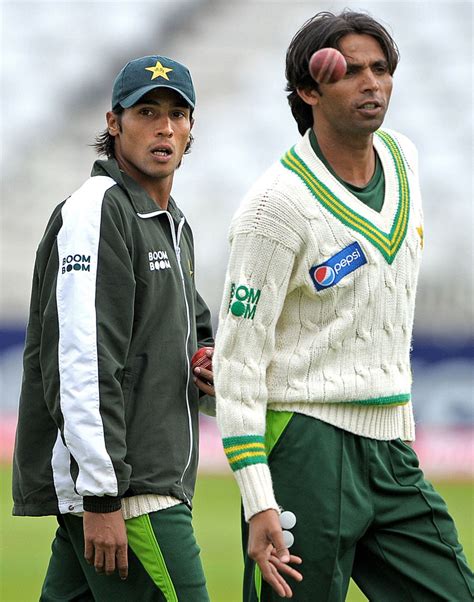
159, 71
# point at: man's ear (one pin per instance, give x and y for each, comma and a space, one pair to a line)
309, 95
113, 123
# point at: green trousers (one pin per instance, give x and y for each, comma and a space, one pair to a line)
163, 556
363, 509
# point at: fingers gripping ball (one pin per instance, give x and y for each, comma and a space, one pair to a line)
327, 66
200, 359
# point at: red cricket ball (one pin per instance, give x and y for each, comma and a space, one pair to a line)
200, 359
327, 66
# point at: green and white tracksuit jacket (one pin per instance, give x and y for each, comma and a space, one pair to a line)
318, 308
108, 407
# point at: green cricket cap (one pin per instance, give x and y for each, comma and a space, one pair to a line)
147, 73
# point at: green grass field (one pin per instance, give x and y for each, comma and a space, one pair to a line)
25, 542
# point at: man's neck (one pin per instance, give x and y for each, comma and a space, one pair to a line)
352, 159
158, 189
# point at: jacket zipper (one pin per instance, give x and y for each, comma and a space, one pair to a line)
176, 239
177, 250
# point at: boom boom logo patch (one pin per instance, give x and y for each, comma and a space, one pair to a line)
158, 260
243, 301
76, 263
333, 270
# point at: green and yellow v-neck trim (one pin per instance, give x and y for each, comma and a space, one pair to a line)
387, 243
372, 194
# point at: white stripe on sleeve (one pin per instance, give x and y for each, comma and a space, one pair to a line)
78, 248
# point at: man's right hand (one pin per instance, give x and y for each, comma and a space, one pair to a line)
105, 542
267, 548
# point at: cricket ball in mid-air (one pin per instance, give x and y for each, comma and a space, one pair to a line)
327, 66
200, 359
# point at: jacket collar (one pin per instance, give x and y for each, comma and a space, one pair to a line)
141, 201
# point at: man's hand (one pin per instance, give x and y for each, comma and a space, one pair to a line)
105, 542
267, 548
204, 379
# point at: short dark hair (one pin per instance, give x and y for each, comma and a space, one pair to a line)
105, 143
325, 30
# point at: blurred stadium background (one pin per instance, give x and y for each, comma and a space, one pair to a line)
59, 60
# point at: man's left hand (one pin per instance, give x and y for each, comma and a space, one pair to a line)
105, 542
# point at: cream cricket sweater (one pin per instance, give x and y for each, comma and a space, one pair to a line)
318, 307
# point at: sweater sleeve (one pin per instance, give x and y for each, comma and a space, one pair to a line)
264, 245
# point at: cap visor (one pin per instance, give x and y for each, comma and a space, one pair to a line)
133, 98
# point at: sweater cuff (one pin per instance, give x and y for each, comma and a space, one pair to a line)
255, 484
104, 504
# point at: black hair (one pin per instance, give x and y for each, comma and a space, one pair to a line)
105, 143
325, 30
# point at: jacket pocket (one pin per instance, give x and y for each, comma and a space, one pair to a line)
130, 378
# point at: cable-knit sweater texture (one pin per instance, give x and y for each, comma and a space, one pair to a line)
318, 308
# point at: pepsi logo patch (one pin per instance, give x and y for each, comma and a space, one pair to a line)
333, 270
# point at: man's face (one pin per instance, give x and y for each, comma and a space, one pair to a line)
356, 104
151, 136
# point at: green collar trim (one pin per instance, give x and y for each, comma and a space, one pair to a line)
387, 243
